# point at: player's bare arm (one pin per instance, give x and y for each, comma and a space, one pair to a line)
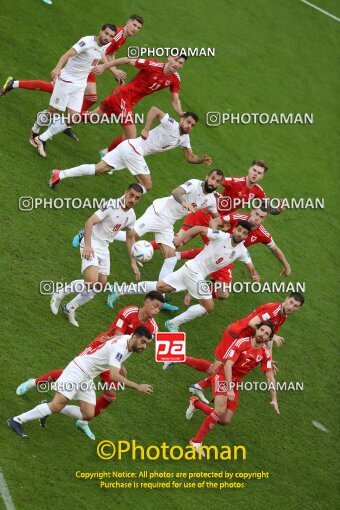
196, 160
176, 103
178, 194
62, 62
119, 74
272, 385
113, 63
252, 271
229, 379
130, 240
88, 251
189, 234
153, 114
117, 377
286, 271
214, 223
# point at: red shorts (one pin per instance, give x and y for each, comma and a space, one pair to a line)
219, 387
199, 218
225, 274
120, 106
91, 78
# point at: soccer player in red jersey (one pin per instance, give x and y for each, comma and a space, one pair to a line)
276, 312
153, 75
125, 323
240, 358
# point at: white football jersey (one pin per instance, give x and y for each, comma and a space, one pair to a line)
218, 253
173, 210
112, 220
88, 55
95, 360
162, 138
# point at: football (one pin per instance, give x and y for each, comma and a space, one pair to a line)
142, 251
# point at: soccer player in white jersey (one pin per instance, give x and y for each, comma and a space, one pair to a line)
70, 77
130, 153
222, 250
100, 230
76, 381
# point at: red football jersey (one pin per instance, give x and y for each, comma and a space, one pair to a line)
269, 311
235, 190
258, 235
126, 321
246, 358
117, 42
149, 79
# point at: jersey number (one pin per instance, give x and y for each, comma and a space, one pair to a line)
116, 227
154, 86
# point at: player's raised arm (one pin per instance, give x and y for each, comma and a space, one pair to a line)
153, 114
117, 73
197, 160
178, 196
62, 62
272, 385
130, 240
117, 377
286, 271
176, 103
116, 62
88, 251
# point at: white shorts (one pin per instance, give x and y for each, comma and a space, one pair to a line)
184, 278
67, 95
101, 259
127, 155
150, 221
75, 385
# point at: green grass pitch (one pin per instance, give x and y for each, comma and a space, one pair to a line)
271, 56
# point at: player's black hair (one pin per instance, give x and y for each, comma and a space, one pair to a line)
143, 331
153, 294
111, 26
298, 297
175, 52
218, 171
135, 186
270, 325
191, 114
260, 162
137, 17
244, 224
264, 206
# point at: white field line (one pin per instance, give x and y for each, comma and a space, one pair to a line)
5, 493
320, 10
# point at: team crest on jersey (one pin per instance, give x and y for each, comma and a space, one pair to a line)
233, 253
253, 238
167, 83
258, 358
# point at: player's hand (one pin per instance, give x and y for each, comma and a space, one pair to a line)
189, 207
231, 395
88, 252
145, 133
206, 159
275, 369
275, 405
55, 73
178, 241
256, 277
119, 75
278, 340
97, 70
145, 388
286, 270
214, 367
135, 270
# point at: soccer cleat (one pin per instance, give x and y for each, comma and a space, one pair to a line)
169, 307
25, 387
198, 392
78, 238
41, 146
169, 364
191, 409
86, 429
7, 86
112, 297
198, 448
187, 299
69, 132
17, 428
56, 301
103, 153
71, 315
44, 419
32, 139
48, 2
54, 180
171, 327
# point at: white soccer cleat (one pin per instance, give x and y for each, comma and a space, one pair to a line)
71, 315
198, 448
25, 387
196, 390
191, 409
169, 364
56, 301
41, 147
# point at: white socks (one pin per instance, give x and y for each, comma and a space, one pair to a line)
77, 171
80, 299
36, 413
15, 84
120, 236
73, 412
191, 313
74, 287
167, 267
39, 124
56, 127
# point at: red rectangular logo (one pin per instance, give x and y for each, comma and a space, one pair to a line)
170, 346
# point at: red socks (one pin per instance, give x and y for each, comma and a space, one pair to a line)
207, 425
103, 402
88, 101
198, 364
154, 245
190, 254
205, 383
45, 86
203, 407
116, 142
51, 376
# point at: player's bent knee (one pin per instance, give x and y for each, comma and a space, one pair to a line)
222, 295
102, 168
209, 306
